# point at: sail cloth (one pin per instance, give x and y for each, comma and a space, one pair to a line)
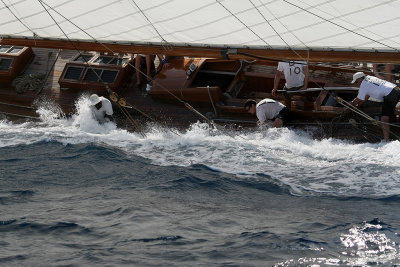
305, 24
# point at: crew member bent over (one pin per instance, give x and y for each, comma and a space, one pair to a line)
101, 108
379, 89
268, 109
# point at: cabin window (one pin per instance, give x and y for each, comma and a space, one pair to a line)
110, 60
109, 76
103, 60
15, 50
13, 60
92, 75
118, 61
96, 71
100, 75
73, 73
5, 63
83, 58
10, 49
4, 49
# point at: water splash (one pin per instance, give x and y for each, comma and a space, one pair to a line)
308, 166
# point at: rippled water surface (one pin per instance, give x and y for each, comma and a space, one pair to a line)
76, 193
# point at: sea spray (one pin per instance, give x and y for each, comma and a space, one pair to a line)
328, 166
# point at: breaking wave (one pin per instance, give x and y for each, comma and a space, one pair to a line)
327, 167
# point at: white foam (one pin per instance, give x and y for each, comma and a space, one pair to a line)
292, 157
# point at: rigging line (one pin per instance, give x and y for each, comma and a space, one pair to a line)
280, 22
287, 29
342, 17
103, 45
347, 105
16, 10
269, 24
288, 46
129, 118
363, 114
49, 71
307, 60
107, 48
98, 76
134, 123
353, 108
366, 116
276, 59
25, 25
340, 26
202, 116
144, 15
177, 98
219, 2
150, 118
273, 59
368, 135
279, 34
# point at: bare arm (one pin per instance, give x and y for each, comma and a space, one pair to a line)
278, 76
305, 70
388, 72
376, 73
162, 61
358, 102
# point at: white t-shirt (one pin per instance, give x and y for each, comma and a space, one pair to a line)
374, 87
106, 109
267, 109
293, 72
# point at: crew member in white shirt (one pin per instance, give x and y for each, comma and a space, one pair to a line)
295, 73
101, 108
268, 109
381, 90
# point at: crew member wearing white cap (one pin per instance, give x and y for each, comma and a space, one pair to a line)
379, 89
101, 108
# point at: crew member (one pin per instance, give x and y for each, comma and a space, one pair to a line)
268, 109
381, 90
295, 73
101, 108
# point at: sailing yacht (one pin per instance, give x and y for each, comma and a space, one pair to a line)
217, 55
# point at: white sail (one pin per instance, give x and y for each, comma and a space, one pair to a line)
302, 24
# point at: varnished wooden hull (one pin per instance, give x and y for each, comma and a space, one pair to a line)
216, 89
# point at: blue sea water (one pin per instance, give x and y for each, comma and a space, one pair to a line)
76, 193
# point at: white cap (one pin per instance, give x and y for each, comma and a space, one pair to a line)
357, 76
94, 99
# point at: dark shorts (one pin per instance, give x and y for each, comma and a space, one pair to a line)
284, 115
292, 88
390, 102
288, 96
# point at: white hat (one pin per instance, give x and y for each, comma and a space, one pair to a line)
94, 99
357, 76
